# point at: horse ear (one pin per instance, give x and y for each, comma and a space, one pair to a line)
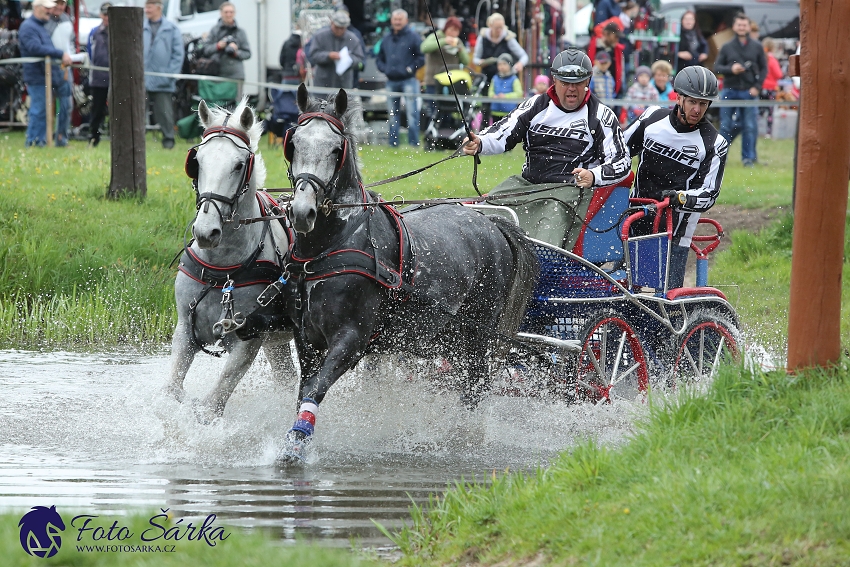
341, 102
303, 98
204, 114
246, 120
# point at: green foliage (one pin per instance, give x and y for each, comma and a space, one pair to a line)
756, 472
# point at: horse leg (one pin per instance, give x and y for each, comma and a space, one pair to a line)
279, 355
477, 379
183, 350
347, 349
239, 360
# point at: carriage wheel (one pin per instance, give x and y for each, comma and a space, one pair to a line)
612, 362
709, 340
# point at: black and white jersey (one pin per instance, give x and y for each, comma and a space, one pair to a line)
675, 156
557, 141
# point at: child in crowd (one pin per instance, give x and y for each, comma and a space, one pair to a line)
541, 85
602, 82
505, 85
641, 90
661, 73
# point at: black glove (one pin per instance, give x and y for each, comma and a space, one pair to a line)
676, 197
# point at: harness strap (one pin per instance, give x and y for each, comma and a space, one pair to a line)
192, 307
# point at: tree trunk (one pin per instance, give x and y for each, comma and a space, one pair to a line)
127, 103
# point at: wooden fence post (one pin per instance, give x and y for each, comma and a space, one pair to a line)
823, 168
127, 102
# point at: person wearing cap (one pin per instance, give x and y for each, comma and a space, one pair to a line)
163, 48
569, 137
602, 82
505, 85
61, 31
681, 158
398, 58
35, 41
229, 43
325, 47
98, 49
541, 85
641, 90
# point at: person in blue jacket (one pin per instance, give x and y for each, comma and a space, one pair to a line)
163, 44
98, 49
34, 41
398, 58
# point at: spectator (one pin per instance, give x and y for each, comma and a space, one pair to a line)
61, 32
35, 41
163, 47
454, 52
693, 48
399, 58
324, 52
607, 39
505, 85
771, 82
744, 67
98, 49
661, 71
541, 85
292, 60
229, 43
602, 83
492, 42
641, 90
605, 10
754, 30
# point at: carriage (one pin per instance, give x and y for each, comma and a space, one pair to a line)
602, 318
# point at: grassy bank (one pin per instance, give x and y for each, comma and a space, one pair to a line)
79, 270
756, 472
253, 549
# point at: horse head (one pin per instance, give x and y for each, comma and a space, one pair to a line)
322, 155
225, 170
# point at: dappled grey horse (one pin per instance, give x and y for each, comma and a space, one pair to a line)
226, 268
437, 281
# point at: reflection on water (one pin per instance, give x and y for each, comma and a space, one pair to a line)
91, 433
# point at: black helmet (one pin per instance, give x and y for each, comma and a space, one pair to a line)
696, 82
572, 66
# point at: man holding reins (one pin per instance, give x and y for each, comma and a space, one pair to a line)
682, 157
569, 137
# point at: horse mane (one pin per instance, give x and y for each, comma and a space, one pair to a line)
255, 132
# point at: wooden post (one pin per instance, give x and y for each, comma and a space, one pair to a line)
822, 171
127, 102
49, 107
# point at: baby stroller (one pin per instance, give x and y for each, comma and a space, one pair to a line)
446, 126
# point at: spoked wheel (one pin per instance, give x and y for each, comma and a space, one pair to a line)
612, 363
709, 340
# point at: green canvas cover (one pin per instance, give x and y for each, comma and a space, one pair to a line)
220, 93
553, 213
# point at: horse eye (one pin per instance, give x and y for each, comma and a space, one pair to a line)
238, 166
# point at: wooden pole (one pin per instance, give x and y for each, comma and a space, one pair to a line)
127, 102
822, 171
49, 107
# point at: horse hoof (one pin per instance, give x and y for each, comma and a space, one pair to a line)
178, 394
295, 449
204, 414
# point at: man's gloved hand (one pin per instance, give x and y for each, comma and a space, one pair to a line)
676, 197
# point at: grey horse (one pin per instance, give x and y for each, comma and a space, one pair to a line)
226, 268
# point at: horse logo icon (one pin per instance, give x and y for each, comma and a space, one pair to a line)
40, 531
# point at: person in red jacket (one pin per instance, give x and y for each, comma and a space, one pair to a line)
771, 82
606, 37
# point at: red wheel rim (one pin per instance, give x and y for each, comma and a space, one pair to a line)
589, 383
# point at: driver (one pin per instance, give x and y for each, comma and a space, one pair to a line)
681, 158
568, 136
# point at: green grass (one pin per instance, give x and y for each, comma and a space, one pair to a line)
244, 548
80, 270
756, 472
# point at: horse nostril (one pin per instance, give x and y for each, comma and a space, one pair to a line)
311, 216
215, 234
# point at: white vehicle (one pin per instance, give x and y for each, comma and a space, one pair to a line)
268, 24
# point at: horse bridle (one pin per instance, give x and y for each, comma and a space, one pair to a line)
192, 169
298, 181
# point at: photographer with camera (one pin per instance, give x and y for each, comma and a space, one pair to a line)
227, 43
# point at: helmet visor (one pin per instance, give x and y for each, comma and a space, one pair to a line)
571, 73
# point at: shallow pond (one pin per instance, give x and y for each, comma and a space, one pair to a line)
92, 433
